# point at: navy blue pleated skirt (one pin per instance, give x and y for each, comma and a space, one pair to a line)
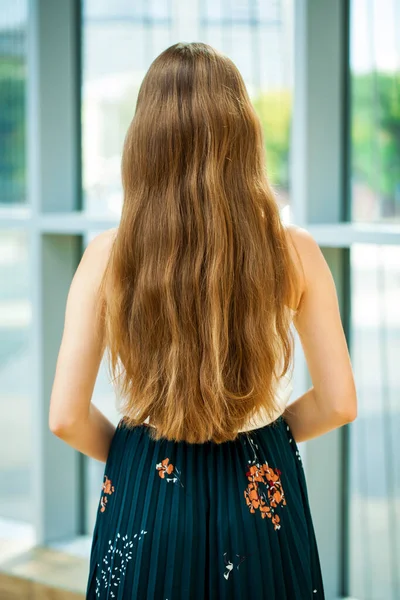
180, 521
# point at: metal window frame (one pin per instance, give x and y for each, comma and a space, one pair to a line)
54, 184
56, 229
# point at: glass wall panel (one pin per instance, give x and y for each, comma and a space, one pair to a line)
374, 437
15, 377
120, 40
13, 15
375, 110
258, 36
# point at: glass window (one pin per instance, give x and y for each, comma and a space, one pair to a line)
242, 11
214, 10
159, 9
375, 110
374, 533
267, 12
117, 52
239, 10
126, 10
15, 378
13, 16
263, 51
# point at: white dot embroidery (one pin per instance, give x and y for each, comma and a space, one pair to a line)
120, 570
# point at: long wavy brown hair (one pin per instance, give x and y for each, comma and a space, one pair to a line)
200, 278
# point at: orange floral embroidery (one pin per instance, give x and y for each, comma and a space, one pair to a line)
107, 488
165, 468
264, 492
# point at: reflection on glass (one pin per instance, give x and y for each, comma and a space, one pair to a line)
120, 40
13, 14
15, 399
375, 441
375, 110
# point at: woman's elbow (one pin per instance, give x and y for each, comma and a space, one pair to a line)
346, 412
349, 414
61, 425
58, 426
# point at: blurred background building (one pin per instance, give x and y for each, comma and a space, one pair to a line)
324, 77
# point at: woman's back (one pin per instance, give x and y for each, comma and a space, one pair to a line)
181, 520
194, 296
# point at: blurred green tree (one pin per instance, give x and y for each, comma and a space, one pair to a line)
12, 131
376, 136
275, 111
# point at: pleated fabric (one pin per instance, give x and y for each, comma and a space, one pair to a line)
180, 521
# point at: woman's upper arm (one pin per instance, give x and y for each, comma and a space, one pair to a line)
82, 341
319, 326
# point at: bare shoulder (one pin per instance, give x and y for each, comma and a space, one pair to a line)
95, 258
307, 258
305, 251
302, 241
100, 246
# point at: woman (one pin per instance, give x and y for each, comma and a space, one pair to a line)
194, 296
